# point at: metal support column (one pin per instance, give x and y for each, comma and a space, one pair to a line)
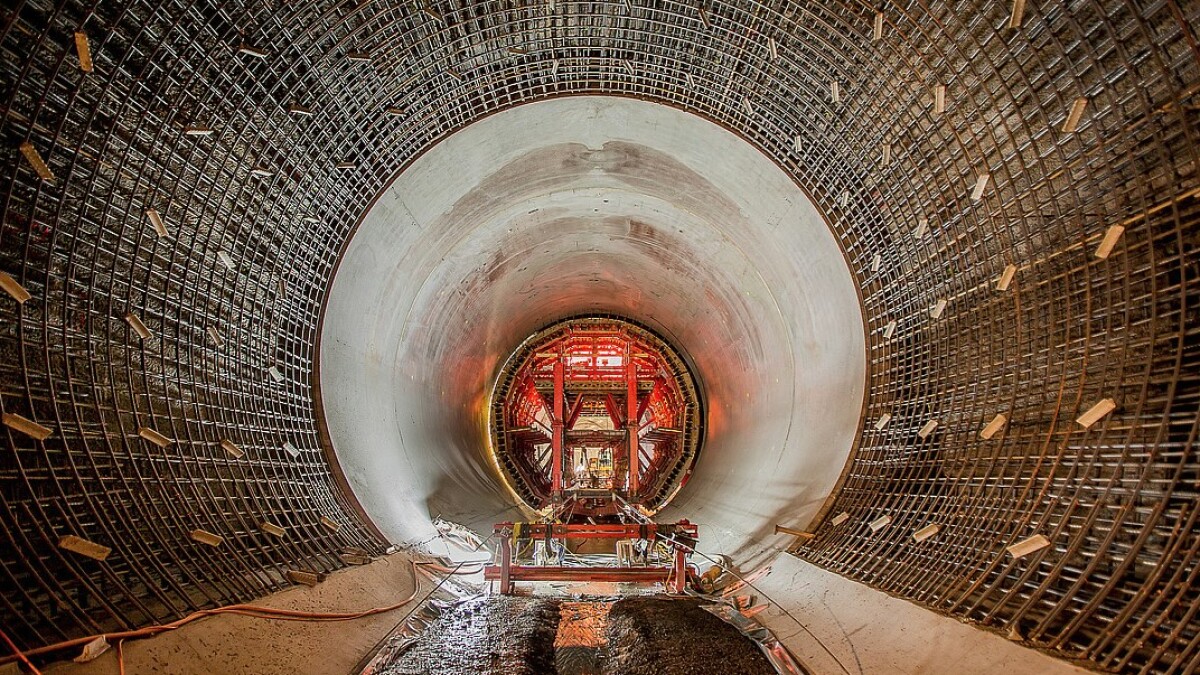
558, 419
679, 576
631, 420
505, 566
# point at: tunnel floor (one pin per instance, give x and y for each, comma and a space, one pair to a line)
506, 635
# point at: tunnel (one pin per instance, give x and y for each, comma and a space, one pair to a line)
922, 276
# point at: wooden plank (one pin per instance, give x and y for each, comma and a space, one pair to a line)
84, 547
993, 427
926, 532
330, 524
306, 578
206, 537
1017, 15
981, 184
747, 106
138, 327
938, 309
780, 529
1111, 237
877, 34
35, 160
247, 50
1006, 278
197, 130
358, 57
156, 221
214, 336
272, 529
1075, 115
876, 263
154, 437
1096, 413
291, 449
939, 99
835, 91
883, 421
297, 109
26, 426
84, 50
231, 448
880, 523
889, 330
275, 374
921, 229
352, 559
927, 429
840, 518
773, 49
345, 166
797, 145
1026, 546
14, 289
226, 260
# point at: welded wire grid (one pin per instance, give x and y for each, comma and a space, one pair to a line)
314, 107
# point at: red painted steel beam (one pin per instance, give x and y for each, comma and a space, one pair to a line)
559, 419
631, 419
576, 409
550, 573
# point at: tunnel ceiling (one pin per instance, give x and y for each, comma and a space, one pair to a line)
1014, 187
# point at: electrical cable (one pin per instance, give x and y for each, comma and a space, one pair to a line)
256, 611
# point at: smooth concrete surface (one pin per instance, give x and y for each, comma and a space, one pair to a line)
240, 645
874, 633
593, 204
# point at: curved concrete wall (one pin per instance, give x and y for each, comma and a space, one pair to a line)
589, 204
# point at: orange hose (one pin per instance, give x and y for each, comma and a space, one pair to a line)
20, 655
256, 611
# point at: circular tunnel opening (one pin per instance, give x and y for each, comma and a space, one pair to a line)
595, 405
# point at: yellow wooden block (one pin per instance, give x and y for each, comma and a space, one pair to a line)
981, 184
1026, 546
927, 429
84, 547
138, 327
27, 426
330, 524
154, 437
14, 289
1017, 15
215, 337
306, 578
272, 529
1111, 237
926, 532
883, 421
156, 221
840, 518
1096, 413
206, 537
877, 34
84, 51
880, 523
35, 160
231, 448
994, 426
939, 99
1072, 122
1006, 278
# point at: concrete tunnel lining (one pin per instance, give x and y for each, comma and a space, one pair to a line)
592, 204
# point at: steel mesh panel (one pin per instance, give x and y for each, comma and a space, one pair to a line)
278, 192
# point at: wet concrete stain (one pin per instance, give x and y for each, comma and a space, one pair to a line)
510, 635
493, 635
652, 636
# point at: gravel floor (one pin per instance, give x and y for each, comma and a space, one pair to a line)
495, 635
650, 636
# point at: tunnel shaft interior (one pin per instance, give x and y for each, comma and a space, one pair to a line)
935, 265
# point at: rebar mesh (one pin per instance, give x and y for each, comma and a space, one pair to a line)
314, 107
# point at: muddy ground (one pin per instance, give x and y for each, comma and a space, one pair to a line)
494, 635
651, 636
508, 635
